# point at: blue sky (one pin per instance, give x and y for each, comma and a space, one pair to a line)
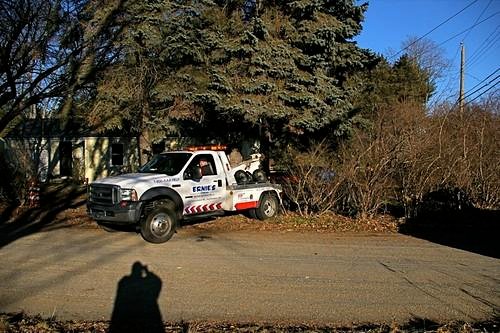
389, 22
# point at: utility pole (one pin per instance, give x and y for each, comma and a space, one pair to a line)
462, 65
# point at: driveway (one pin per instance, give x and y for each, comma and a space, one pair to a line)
75, 273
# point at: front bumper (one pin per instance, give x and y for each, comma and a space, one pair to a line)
116, 214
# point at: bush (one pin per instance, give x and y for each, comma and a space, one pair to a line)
16, 171
367, 175
407, 158
311, 184
355, 181
469, 152
410, 155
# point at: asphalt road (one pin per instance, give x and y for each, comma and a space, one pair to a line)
292, 278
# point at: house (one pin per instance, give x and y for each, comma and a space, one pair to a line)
74, 152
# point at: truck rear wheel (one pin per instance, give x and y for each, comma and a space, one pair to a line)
160, 223
268, 207
250, 213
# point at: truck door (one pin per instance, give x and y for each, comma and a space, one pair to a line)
206, 194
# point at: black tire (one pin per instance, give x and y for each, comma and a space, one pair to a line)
268, 207
241, 177
250, 213
160, 223
259, 176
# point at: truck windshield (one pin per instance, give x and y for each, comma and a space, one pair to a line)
169, 163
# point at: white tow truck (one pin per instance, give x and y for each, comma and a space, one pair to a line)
180, 185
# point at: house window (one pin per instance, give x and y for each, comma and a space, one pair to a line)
117, 154
65, 158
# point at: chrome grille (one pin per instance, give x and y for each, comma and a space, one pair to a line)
104, 194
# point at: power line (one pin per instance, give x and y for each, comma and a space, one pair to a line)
469, 28
472, 91
480, 15
486, 44
469, 94
484, 47
481, 50
483, 80
484, 92
473, 76
431, 31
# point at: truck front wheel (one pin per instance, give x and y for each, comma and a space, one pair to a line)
268, 207
160, 223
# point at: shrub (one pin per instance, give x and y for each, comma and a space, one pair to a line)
16, 170
311, 183
470, 152
408, 157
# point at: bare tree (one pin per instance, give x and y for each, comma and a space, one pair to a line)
32, 59
48, 50
428, 55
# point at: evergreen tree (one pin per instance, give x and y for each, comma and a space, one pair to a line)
387, 85
220, 69
284, 70
413, 81
146, 91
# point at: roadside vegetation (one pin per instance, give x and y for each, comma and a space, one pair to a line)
14, 323
409, 163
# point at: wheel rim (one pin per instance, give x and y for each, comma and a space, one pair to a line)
160, 224
269, 207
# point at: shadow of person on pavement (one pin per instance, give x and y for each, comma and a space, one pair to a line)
136, 304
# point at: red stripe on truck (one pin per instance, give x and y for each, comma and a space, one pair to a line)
246, 205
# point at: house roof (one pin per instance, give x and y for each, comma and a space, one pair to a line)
53, 128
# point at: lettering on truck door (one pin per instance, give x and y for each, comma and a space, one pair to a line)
204, 195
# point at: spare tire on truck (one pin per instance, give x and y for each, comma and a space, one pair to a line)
241, 177
260, 176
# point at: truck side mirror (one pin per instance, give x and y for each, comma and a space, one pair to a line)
197, 175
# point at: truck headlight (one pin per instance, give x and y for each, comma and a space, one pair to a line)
128, 194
